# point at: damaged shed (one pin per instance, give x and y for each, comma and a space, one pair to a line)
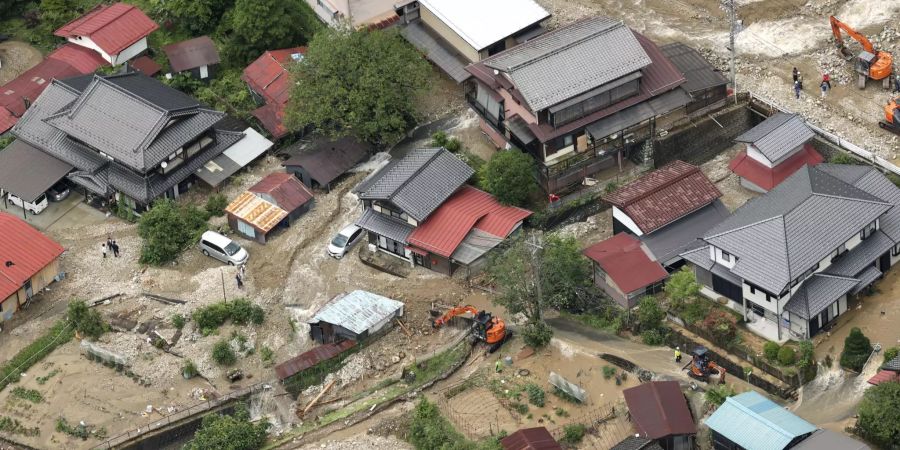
353, 315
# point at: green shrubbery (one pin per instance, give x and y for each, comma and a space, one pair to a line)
239, 311
891, 353
770, 350
58, 335
535, 394
167, 229
787, 356
215, 205
879, 415
429, 430
178, 321
234, 432
651, 316
509, 175
86, 321
537, 334
573, 433
857, 349
223, 354
716, 394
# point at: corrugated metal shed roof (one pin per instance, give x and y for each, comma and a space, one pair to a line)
358, 311
624, 259
310, 358
331, 159
257, 212
829, 440
757, 423
436, 51
192, 53
636, 443
659, 409
27, 251
590, 53
284, 190
28, 172
146, 66
269, 76
778, 135
698, 72
537, 438
112, 27
482, 24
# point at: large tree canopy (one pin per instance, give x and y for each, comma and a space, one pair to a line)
358, 82
260, 25
879, 415
196, 16
509, 175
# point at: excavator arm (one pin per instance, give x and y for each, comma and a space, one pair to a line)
837, 26
459, 310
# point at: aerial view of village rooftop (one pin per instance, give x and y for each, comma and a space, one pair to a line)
450, 224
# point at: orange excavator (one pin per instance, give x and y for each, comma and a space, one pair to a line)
891, 120
701, 367
870, 63
485, 328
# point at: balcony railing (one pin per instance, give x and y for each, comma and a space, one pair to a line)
482, 111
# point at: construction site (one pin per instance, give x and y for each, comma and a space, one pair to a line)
323, 381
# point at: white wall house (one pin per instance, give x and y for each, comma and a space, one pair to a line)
790, 261
117, 32
117, 58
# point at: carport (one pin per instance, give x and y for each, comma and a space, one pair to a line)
27, 172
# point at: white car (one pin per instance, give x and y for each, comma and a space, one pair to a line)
345, 240
36, 207
215, 245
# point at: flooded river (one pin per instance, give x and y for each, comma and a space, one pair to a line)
832, 397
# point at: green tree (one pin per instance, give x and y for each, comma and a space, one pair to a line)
509, 175
682, 286
879, 415
259, 25
566, 272
770, 350
87, 321
194, 16
857, 349
360, 82
517, 272
787, 356
650, 314
167, 229
228, 93
234, 432
56, 13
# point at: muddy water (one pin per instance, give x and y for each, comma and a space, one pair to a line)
832, 397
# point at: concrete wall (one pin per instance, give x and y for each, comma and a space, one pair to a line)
705, 139
442, 30
602, 281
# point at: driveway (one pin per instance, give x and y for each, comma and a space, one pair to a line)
71, 212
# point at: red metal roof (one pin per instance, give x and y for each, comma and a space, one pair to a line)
67, 61
884, 376
623, 258
658, 409
285, 189
24, 252
269, 77
309, 359
466, 209
769, 177
271, 116
146, 65
664, 195
112, 27
530, 439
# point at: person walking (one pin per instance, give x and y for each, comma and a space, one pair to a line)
824, 88
827, 80
243, 270
240, 281
103, 249
797, 89
796, 74
678, 354
115, 249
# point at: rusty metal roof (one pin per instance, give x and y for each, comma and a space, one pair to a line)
310, 358
659, 409
259, 213
537, 438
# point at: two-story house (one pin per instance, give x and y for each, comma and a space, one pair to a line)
418, 208
788, 260
126, 136
118, 32
579, 99
455, 33
774, 149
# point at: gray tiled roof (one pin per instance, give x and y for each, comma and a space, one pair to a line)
893, 365
866, 253
776, 136
817, 293
866, 277
571, 60
140, 128
698, 72
668, 242
436, 51
780, 235
383, 225
699, 257
636, 443
419, 182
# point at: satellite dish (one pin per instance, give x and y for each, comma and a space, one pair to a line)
163, 164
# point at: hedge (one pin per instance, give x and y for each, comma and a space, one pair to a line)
11, 371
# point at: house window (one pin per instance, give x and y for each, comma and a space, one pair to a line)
756, 309
868, 230
896, 250
752, 289
567, 141
726, 256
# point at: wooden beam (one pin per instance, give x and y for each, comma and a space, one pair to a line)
405, 330
315, 400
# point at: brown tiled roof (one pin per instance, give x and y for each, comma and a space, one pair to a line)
664, 195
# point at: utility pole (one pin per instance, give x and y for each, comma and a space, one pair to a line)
731, 35
536, 243
224, 298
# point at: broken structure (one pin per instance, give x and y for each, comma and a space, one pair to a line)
355, 315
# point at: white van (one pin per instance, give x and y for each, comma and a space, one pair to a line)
39, 204
215, 245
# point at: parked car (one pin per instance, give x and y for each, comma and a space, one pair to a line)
344, 241
58, 192
222, 248
36, 207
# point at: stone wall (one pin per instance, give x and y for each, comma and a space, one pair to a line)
704, 138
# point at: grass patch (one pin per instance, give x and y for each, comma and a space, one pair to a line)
240, 311
573, 433
32, 395
565, 395
608, 372
13, 426
42, 380
58, 335
80, 431
559, 411
535, 394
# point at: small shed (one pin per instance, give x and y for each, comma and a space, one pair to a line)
753, 422
829, 440
537, 438
636, 442
625, 269
326, 161
354, 315
198, 56
660, 412
145, 65
276, 201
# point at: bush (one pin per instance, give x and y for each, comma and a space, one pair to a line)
167, 229
655, 336
32, 395
573, 433
611, 187
429, 430
12, 369
770, 350
879, 415
695, 310
787, 356
222, 354
441, 139
537, 334
722, 326
535, 394
561, 412
682, 286
267, 356
234, 432
87, 321
716, 394
608, 372
215, 205
650, 314
189, 369
891, 353
806, 356
242, 312
178, 321
509, 175
844, 158
211, 317
857, 349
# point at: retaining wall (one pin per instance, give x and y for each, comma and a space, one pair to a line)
704, 138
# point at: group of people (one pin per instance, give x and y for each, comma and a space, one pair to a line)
110, 246
824, 86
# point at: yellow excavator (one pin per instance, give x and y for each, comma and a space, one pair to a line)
870, 63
